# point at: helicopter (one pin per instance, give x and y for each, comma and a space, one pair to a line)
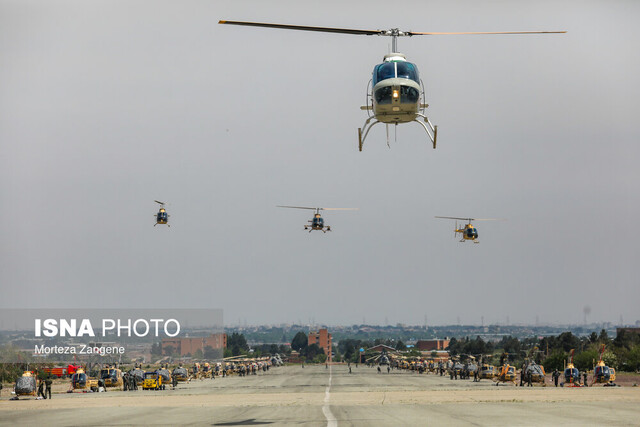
162, 217
25, 385
317, 223
603, 374
469, 232
571, 374
532, 372
395, 94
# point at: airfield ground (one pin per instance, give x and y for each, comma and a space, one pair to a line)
316, 396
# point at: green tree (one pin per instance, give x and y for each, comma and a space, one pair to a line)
299, 341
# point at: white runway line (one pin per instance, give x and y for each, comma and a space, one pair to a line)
331, 419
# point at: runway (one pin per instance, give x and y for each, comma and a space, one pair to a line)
304, 396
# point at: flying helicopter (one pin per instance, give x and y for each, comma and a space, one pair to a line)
395, 94
317, 223
469, 232
162, 217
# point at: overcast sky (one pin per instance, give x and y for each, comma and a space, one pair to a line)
106, 106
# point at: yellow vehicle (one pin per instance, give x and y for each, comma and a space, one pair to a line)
602, 374
81, 381
507, 374
152, 381
112, 377
487, 372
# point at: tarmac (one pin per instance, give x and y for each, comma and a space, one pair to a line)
320, 396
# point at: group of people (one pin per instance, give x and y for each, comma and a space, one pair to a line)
44, 388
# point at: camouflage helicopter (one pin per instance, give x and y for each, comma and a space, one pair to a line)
112, 377
603, 374
531, 371
25, 385
469, 232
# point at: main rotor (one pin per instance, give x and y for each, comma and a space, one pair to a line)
394, 33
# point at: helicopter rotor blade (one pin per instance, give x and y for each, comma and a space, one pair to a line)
455, 217
415, 33
305, 28
339, 209
162, 203
297, 207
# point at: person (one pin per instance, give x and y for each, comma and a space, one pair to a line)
47, 390
379, 369
555, 376
388, 369
174, 381
0, 387
125, 382
349, 369
475, 376
41, 389
584, 375
529, 379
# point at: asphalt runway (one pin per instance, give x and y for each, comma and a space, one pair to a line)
316, 396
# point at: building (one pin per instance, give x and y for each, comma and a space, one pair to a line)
323, 339
429, 345
627, 331
188, 346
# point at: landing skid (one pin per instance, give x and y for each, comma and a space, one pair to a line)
429, 128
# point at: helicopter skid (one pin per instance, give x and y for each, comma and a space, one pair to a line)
429, 128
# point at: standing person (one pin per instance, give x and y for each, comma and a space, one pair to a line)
584, 375
556, 375
174, 381
0, 386
41, 389
388, 369
125, 382
48, 383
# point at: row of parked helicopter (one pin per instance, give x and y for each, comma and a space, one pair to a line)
468, 232
530, 373
112, 377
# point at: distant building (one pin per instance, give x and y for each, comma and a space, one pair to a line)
429, 345
188, 346
323, 339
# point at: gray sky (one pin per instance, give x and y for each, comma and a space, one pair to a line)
108, 105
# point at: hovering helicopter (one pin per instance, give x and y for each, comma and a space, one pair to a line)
469, 232
395, 93
603, 374
162, 217
317, 223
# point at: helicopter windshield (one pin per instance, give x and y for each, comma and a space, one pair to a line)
399, 69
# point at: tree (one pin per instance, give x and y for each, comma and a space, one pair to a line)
299, 341
311, 351
238, 340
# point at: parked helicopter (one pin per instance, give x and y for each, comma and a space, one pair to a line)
317, 223
162, 217
469, 232
396, 91
25, 385
602, 374
571, 373
531, 371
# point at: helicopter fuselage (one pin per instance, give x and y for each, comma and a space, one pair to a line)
317, 223
396, 90
469, 232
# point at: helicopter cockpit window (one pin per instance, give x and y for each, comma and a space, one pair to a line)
407, 70
384, 71
409, 94
383, 95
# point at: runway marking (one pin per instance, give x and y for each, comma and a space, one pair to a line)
331, 419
